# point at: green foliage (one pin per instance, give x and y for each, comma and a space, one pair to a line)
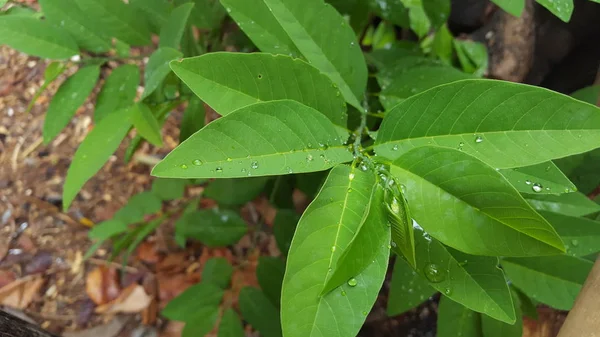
212, 227
217, 271
118, 91
260, 312
407, 290
235, 191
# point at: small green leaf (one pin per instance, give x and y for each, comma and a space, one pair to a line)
573, 204
582, 169
452, 192
217, 271
542, 178
514, 7
269, 273
157, 69
400, 220
230, 325
393, 11
186, 306
214, 227
552, 280
168, 189
473, 56
272, 138
419, 22
229, 81
137, 207
65, 14
97, 147
193, 119
207, 14
455, 319
235, 191
442, 45
260, 312
563, 9
438, 11
118, 92
494, 328
106, 229
503, 124
172, 32
407, 289
156, 12
36, 37
53, 70
146, 124
284, 227
69, 97
116, 19
581, 235
203, 322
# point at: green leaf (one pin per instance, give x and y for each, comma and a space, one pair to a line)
393, 11
207, 14
116, 19
527, 306
172, 32
407, 289
203, 322
230, 325
573, 204
582, 169
269, 273
581, 235
118, 92
53, 70
503, 124
235, 191
69, 97
561, 8
146, 124
312, 27
514, 7
137, 207
419, 22
230, 81
156, 12
494, 328
106, 229
193, 119
217, 271
456, 320
259, 312
400, 221
543, 178
473, 281
589, 94
168, 189
452, 192
552, 280
278, 137
195, 299
36, 37
157, 69
214, 228
284, 227
324, 232
94, 151
442, 45
438, 11
473, 56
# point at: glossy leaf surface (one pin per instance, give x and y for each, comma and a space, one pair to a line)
514, 7
581, 235
563, 9
543, 178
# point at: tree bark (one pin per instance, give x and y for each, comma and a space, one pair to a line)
11, 326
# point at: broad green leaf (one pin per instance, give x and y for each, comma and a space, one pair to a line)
438, 11
117, 19
157, 69
36, 37
589, 94
193, 119
172, 32
230, 325
214, 227
94, 151
473, 56
69, 97
65, 14
456, 320
272, 138
312, 27
284, 227
229, 81
503, 124
137, 207
259, 312
156, 12
269, 273
514, 7
573, 204
442, 45
324, 232
473, 281
106, 229
581, 235
552, 280
195, 299
118, 92
542, 178
203, 322
419, 22
391, 10
407, 289
583, 170
561, 8
372, 234
235, 191
400, 221
494, 328
217, 271
207, 14
452, 192
146, 124
168, 189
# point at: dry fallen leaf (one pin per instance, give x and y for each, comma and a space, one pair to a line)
19, 293
132, 299
147, 252
102, 285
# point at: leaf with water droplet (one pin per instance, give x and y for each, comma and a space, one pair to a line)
398, 215
546, 174
583, 234
399, 299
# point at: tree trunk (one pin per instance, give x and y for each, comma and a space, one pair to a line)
11, 326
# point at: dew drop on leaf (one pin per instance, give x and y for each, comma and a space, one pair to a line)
343, 293
349, 189
183, 166
229, 159
309, 157
351, 176
254, 165
575, 243
219, 169
364, 313
537, 188
395, 148
448, 291
333, 248
478, 139
197, 162
352, 282
434, 273
289, 170
528, 182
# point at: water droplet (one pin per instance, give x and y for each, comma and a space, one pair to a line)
394, 244
528, 182
244, 170
352, 282
537, 187
323, 146
349, 189
333, 248
364, 313
478, 139
460, 146
464, 263
219, 169
575, 243
395, 206
197, 162
254, 165
229, 159
309, 157
395, 148
389, 246
434, 273
351, 176
289, 170
364, 167
343, 292
389, 224
448, 291
183, 166
352, 43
